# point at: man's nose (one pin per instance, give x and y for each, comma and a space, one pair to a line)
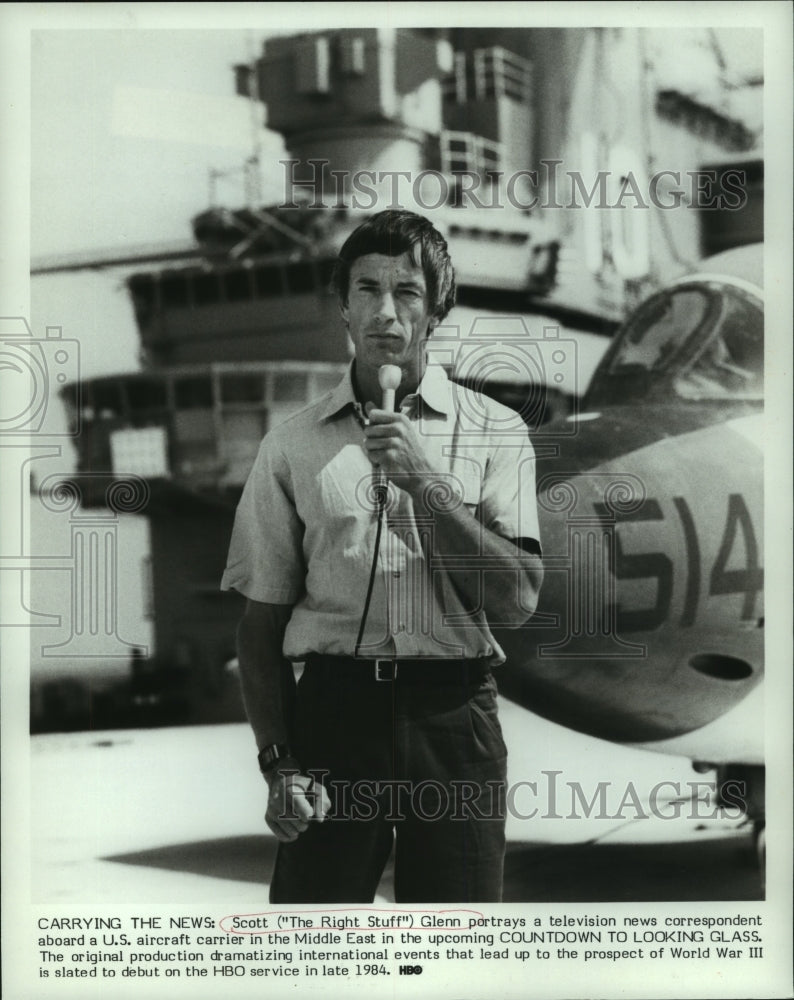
386, 310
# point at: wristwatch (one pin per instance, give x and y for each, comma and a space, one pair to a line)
270, 755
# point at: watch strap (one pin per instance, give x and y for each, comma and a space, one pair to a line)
270, 755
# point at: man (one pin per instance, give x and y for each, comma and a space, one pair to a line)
378, 548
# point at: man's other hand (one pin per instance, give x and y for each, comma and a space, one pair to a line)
295, 800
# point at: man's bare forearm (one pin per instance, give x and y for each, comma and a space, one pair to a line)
268, 691
489, 571
266, 677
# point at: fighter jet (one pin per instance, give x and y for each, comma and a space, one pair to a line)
650, 626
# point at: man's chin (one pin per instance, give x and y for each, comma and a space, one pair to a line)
385, 352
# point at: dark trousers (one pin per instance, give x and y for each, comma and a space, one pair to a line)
418, 763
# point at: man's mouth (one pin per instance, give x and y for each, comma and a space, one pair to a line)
384, 336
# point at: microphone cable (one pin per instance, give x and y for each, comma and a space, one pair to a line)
381, 495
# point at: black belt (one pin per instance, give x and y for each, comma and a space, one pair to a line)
390, 669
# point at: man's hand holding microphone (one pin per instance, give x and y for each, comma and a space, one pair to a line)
391, 441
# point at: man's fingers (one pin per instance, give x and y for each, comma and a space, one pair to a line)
378, 416
294, 802
379, 444
288, 813
322, 802
386, 420
384, 437
299, 807
396, 427
285, 826
284, 830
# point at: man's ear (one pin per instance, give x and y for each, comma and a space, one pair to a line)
344, 312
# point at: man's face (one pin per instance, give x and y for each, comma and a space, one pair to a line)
387, 314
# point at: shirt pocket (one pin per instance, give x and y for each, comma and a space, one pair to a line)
346, 489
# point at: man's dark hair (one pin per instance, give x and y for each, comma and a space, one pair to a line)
393, 233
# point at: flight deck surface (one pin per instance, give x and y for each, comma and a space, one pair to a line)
175, 815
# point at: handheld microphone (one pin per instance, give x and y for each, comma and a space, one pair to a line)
389, 378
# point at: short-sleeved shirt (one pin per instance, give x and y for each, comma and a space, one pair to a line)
305, 528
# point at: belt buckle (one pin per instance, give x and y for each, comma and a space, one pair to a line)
381, 665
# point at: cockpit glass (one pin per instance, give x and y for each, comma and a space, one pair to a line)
706, 342
660, 328
731, 361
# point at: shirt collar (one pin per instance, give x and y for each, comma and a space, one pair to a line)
341, 397
435, 391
